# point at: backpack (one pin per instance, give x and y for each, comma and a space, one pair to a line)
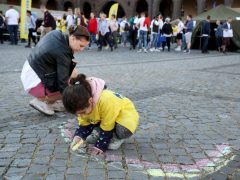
126, 27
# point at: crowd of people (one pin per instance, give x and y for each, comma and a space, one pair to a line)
139, 31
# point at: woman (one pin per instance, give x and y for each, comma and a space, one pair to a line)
167, 32
50, 65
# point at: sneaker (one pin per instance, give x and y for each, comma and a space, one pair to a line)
140, 50
41, 106
28, 46
57, 106
93, 137
157, 50
151, 50
178, 48
187, 51
160, 48
107, 47
115, 143
145, 51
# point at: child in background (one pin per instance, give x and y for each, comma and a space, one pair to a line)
98, 107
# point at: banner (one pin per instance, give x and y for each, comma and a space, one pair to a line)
113, 10
25, 5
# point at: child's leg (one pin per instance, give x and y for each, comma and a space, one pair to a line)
122, 132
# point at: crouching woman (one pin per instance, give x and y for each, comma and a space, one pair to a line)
50, 65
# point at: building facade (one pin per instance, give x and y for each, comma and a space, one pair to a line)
171, 8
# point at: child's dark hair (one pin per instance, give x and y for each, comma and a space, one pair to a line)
76, 96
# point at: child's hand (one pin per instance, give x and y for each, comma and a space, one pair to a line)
95, 151
76, 143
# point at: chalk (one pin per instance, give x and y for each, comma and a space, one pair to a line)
74, 147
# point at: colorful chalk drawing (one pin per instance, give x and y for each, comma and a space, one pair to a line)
217, 159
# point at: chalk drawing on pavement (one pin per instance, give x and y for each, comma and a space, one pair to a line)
217, 159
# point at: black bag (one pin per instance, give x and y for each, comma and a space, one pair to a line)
127, 27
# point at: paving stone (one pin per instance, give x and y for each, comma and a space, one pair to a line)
55, 177
76, 177
32, 177
21, 162
137, 175
218, 176
37, 169
13, 171
114, 174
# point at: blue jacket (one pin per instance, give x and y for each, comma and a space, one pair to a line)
225, 26
219, 32
189, 26
206, 28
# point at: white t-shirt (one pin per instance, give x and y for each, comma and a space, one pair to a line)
29, 78
180, 27
70, 21
141, 22
12, 17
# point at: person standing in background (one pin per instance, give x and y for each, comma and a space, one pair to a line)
219, 35
179, 34
206, 29
64, 23
12, 20
167, 32
227, 28
49, 22
104, 34
113, 25
31, 24
142, 33
133, 31
2, 21
188, 34
125, 27
92, 29
70, 18
154, 34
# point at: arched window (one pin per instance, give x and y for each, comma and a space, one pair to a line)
87, 9
142, 6
67, 5
51, 4
166, 8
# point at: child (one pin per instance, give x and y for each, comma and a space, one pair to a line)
106, 109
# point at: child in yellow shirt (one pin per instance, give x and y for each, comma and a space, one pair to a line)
99, 107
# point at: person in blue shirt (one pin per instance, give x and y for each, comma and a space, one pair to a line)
206, 29
226, 40
189, 29
219, 35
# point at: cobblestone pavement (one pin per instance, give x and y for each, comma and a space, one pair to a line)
189, 107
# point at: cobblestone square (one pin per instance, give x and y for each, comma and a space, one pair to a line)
189, 108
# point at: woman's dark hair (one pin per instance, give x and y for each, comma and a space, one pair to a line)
76, 96
79, 32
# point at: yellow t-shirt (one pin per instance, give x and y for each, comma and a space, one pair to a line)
63, 25
111, 108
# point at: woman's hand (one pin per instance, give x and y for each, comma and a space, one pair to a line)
95, 151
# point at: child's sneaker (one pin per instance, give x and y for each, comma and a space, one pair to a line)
41, 106
115, 143
140, 50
